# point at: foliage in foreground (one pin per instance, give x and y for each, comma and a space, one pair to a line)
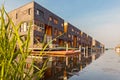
14, 52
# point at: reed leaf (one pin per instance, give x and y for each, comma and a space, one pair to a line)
14, 51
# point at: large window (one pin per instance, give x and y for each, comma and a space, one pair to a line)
16, 15
55, 32
29, 11
40, 13
72, 37
60, 32
38, 39
55, 21
24, 27
62, 24
50, 18
72, 30
69, 36
40, 27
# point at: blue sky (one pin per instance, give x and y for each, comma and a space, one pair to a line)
98, 18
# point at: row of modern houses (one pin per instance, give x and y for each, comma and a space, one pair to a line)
44, 22
49, 28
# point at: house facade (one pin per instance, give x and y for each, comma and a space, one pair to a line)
47, 26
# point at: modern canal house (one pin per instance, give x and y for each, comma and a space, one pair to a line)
46, 22
97, 46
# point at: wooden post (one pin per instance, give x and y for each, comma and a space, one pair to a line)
66, 46
93, 57
86, 51
80, 53
81, 67
65, 75
80, 57
66, 61
80, 48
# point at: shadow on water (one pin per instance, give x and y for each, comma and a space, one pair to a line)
60, 69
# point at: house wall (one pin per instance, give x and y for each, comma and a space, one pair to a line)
45, 22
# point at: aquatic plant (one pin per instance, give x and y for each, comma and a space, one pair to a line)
14, 51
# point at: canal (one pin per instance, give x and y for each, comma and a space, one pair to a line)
107, 67
59, 69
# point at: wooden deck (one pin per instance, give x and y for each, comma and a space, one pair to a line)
58, 53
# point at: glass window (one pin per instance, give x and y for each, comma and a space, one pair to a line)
55, 31
60, 32
69, 36
50, 18
62, 24
16, 15
72, 30
29, 11
40, 13
72, 37
39, 27
21, 28
24, 27
55, 21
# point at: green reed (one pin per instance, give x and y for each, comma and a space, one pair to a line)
14, 52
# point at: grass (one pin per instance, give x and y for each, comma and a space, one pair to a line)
14, 52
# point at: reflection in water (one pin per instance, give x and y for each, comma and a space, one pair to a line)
107, 67
65, 75
81, 67
117, 50
62, 68
118, 53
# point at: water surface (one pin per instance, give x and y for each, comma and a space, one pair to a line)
107, 67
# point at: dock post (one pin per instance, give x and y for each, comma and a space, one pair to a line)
66, 61
66, 46
86, 51
51, 58
81, 67
80, 57
80, 53
93, 57
80, 48
65, 75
